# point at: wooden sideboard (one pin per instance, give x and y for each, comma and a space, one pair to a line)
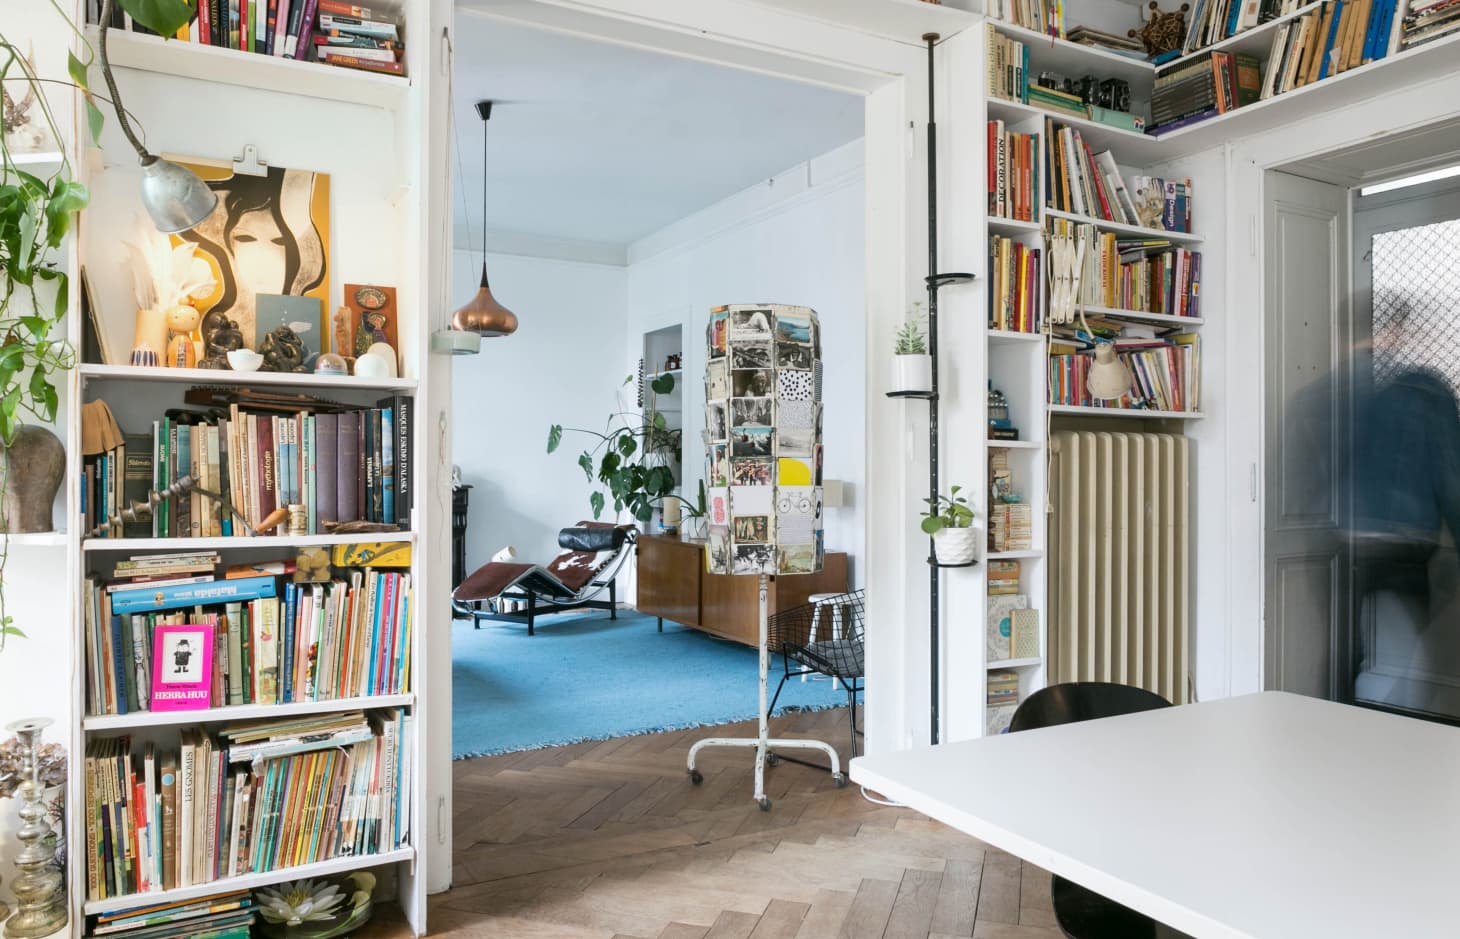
674, 586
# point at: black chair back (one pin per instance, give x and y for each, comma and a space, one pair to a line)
1082, 701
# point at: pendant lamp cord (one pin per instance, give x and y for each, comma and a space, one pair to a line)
485, 109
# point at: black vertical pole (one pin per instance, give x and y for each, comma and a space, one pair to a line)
934, 575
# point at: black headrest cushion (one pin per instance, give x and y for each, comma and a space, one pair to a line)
592, 539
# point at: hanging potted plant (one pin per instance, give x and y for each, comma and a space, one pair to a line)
949, 520
912, 366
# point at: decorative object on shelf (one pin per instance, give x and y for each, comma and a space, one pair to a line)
372, 366
331, 364
223, 338
344, 333
1108, 379
140, 511
166, 280
312, 566
1000, 427
32, 466
23, 133
395, 554
912, 366
40, 888
673, 362
768, 522
244, 360
182, 674
283, 351
182, 350
1163, 32
372, 316
949, 521
386, 356
14, 767
482, 314
309, 909
634, 457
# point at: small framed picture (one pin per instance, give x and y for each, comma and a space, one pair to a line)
182, 668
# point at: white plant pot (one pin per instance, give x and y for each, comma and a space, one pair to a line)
955, 545
912, 373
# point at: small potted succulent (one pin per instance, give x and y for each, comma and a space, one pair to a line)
949, 520
912, 366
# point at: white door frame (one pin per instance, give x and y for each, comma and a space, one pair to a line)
891, 75
1248, 160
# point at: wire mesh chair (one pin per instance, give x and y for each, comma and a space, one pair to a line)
822, 638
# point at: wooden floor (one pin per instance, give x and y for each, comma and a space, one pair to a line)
609, 840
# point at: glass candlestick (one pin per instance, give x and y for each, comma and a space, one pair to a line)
39, 889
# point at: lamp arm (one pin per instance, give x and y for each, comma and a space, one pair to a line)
111, 85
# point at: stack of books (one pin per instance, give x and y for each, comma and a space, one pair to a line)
1042, 16
339, 464
221, 916
1333, 38
251, 799
1010, 527
330, 31
1084, 182
1120, 44
270, 644
1165, 375
1003, 689
1427, 20
1014, 286
1013, 161
1214, 20
1003, 578
1210, 84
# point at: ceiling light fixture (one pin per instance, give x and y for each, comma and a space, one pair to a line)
174, 196
482, 314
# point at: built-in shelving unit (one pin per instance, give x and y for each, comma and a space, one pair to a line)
1121, 228
1137, 413
96, 373
239, 712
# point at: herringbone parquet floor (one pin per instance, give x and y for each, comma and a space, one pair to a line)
608, 840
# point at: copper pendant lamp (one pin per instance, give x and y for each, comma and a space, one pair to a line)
482, 314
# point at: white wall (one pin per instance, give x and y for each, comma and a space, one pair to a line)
562, 366
796, 239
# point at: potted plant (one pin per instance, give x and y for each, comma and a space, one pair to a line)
912, 366
949, 520
636, 457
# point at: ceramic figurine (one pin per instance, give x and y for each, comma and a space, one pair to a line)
182, 349
222, 337
164, 278
283, 351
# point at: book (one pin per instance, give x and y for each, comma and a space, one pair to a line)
184, 595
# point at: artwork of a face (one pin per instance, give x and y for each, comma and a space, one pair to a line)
269, 235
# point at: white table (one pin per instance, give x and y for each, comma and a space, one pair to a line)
1269, 815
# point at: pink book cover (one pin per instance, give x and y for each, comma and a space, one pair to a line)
182, 667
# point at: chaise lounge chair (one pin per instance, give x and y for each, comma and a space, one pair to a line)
590, 560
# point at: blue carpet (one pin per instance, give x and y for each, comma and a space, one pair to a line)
586, 677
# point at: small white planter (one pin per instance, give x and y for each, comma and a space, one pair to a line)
955, 545
912, 373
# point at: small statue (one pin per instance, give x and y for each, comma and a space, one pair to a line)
1164, 31
344, 344
222, 337
283, 351
182, 351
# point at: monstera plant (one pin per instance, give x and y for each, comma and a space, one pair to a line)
635, 456
37, 212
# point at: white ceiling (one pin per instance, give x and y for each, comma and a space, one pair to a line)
602, 143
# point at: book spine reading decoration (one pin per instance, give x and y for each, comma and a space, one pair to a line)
763, 449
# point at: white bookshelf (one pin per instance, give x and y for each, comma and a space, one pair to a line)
1137, 413
369, 133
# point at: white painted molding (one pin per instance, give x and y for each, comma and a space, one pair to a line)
523, 244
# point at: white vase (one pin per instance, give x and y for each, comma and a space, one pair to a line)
955, 545
912, 373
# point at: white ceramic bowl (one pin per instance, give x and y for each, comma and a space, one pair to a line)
387, 354
244, 360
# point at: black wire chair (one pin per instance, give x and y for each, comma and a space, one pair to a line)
822, 638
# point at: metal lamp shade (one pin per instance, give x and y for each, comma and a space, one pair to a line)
483, 315
174, 196
1109, 378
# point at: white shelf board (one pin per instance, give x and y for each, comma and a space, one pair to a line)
1015, 663
1255, 41
1013, 226
251, 70
1129, 146
1167, 318
1015, 444
1011, 335
1124, 412
249, 881
1120, 228
287, 542
1029, 555
1401, 70
1073, 58
38, 158
91, 372
240, 712
36, 539
902, 20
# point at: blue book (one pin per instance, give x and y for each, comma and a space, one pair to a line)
387, 465
121, 662
1234, 15
286, 677
182, 595
1371, 29
1328, 43
1385, 27
1165, 57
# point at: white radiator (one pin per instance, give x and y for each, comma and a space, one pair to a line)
1119, 561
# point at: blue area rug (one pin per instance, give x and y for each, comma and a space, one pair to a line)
586, 677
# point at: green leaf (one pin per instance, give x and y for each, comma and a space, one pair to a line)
662, 385
644, 511
555, 437
586, 461
14, 631
68, 197
76, 68
932, 524
164, 17
63, 292
627, 445
26, 245
596, 500
608, 465
658, 421
38, 325
94, 121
